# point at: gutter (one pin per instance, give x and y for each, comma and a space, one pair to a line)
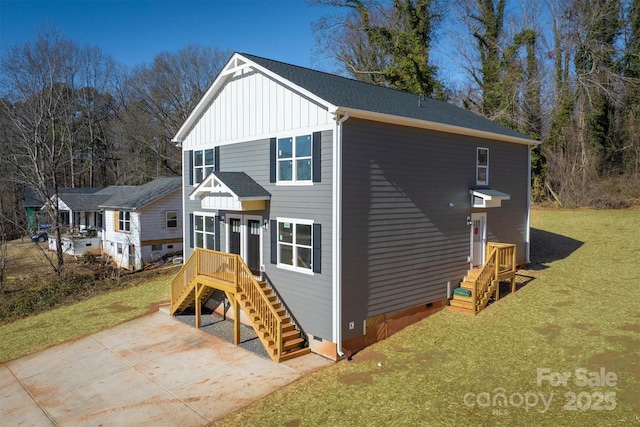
337, 231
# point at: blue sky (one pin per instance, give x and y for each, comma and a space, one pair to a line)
134, 31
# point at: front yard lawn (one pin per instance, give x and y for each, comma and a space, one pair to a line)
579, 318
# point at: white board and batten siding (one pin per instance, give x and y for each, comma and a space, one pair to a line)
252, 105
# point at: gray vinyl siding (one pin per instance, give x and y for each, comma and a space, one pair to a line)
309, 297
405, 207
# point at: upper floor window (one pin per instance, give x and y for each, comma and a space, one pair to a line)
482, 166
294, 159
203, 164
124, 221
172, 219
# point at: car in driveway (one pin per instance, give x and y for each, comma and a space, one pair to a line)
40, 237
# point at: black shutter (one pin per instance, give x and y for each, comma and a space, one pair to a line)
317, 136
274, 241
317, 247
191, 230
216, 231
216, 159
190, 166
273, 147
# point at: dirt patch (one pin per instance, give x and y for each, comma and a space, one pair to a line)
293, 423
631, 327
550, 331
562, 291
581, 326
356, 378
366, 356
563, 303
119, 308
627, 368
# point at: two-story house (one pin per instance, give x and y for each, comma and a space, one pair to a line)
356, 203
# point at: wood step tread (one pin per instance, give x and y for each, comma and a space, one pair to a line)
291, 354
461, 298
461, 310
291, 344
461, 304
289, 335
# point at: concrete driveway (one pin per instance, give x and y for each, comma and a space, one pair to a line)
154, 370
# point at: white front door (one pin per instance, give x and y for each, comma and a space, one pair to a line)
478, 238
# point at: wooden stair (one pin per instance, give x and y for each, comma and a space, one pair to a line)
466, 304
483, 283
207, 270
293, 344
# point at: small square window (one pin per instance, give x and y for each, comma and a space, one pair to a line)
156, 247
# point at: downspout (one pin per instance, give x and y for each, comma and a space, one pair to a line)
337, 234
528, 244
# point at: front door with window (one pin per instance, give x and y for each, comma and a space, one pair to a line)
244, 236
234, 235
253, 246
478, 238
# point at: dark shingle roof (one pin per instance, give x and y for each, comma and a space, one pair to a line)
32, 196
349, 93
83, 202
133, 197
242, 185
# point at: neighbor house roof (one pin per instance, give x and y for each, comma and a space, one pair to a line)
360, 99
134, 197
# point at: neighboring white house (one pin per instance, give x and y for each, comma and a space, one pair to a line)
144, 223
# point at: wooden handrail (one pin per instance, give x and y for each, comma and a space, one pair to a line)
229, 268
500, 262
180, 282
270, 319
297, 324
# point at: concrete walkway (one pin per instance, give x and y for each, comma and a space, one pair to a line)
154, 370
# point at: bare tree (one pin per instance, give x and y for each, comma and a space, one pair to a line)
159, 97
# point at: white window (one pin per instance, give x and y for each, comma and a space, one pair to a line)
119, 248
204, 231
203, 164
124, 221
295, 244
482, 166
172, 219
294, 159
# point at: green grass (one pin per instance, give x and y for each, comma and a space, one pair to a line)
31, 334
581, 311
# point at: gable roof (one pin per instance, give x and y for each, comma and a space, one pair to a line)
135, 197
343, 95
238, 184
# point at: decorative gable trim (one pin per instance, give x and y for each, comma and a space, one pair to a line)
213, 193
